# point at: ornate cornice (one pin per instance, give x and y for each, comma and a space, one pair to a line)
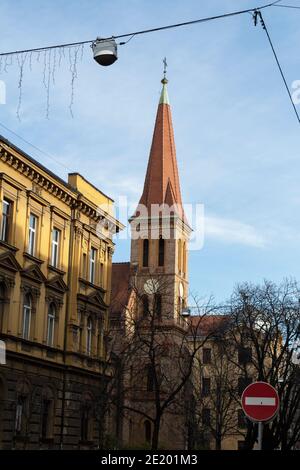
94, 300
47, 182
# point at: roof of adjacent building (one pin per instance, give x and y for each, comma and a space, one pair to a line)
120, 286
208, 324
162, 180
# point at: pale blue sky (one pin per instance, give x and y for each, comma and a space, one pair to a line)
237, 138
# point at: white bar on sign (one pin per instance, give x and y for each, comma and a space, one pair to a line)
264, 401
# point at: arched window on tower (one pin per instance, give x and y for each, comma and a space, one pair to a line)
161, 251
145, 252
157, 305
145, 302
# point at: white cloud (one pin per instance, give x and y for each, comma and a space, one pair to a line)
232, 231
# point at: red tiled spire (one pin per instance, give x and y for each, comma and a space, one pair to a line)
162, 180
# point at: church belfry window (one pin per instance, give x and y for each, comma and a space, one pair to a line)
145, 302
145, 253
157, 305
161, 251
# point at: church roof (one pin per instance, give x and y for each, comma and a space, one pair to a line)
162, 180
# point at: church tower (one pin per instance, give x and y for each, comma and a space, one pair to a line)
159, 229
149, 295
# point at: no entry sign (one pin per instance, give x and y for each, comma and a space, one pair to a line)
260, 401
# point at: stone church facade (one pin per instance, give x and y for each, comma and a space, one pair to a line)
150, 292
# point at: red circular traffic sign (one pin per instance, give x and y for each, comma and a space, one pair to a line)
260, 401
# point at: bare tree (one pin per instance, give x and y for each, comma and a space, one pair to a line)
156, 377
263, 342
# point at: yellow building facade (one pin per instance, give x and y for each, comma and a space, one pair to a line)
55, 274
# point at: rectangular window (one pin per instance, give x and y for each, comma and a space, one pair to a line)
55, 247
206, 355
93, 256
6, 220
206, 416
26, 321
32, 234
243, 382
20, 412
50, 331
245, 355
205, 387
51, 324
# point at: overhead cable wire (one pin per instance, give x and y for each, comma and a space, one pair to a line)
35, 147
287, 6
257, 13
145, 31
43, 152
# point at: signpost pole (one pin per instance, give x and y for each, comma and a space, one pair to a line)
260, 435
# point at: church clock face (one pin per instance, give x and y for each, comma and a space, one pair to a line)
151, 286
